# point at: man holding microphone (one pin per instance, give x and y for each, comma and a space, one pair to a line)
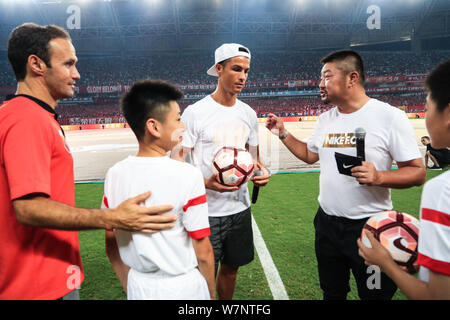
353, 189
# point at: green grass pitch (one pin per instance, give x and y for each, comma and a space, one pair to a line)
284, 213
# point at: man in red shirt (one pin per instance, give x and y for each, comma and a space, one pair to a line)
39, 252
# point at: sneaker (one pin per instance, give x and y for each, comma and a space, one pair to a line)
435, 168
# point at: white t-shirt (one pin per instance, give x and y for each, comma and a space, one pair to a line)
389, 136
211, 126
171, 182
434, 236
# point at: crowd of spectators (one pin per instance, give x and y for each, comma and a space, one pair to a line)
91, 110
266, 66
310, 106
286, 106
274, 67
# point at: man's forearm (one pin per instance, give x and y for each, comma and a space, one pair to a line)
402, 178
299, 149
42, 212
413, 288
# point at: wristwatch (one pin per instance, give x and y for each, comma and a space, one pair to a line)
284, 135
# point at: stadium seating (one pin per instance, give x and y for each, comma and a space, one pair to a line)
272, 74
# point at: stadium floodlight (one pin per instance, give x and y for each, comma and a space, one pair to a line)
301, 3
20, 2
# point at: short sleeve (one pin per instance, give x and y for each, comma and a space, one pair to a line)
313, 142
190, 134
195, 209
105, 199
403, 144
253, 136
27, 155
434, 237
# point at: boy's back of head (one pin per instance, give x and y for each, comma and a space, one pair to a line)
148, 99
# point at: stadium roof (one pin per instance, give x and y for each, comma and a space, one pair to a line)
152, 26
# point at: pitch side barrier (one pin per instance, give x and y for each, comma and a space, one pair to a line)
274, 173
78, 127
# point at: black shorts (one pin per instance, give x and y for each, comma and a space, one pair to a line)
337, 254
232, 239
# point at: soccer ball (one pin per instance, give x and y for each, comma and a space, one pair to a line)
233, 166
399, 233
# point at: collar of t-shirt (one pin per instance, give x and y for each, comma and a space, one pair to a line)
39, 102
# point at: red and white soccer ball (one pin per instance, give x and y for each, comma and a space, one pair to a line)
399, 233
233, 166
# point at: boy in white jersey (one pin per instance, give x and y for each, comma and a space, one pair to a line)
176, 264
434, 237
346, 202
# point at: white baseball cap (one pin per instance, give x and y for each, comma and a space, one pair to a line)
227, 51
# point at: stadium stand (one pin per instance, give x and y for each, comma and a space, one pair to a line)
281, 82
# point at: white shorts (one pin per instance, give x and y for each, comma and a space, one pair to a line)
157, 286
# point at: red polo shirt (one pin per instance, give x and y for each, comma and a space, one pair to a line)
35, 263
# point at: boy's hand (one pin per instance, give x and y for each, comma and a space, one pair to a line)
212, 184
377, 255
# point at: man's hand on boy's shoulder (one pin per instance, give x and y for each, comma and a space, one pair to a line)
130, 215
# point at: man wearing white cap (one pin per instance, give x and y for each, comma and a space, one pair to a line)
219, 120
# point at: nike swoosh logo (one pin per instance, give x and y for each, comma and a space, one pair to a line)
348, 166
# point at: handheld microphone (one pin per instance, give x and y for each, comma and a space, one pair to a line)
255, 187
360, 135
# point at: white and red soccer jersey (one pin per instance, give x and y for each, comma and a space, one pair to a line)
434, 237
171, 182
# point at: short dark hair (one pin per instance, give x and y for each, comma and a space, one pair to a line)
148, 99
438, 85
31, 39
425, 137
223, 63
349, 61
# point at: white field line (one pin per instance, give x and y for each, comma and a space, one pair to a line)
273, 277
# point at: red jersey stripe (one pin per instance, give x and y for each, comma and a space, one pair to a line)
200, 234
436, 216
434, 265
195, 202
105, 202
